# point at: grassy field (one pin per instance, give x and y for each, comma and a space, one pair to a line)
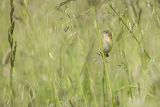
56, 62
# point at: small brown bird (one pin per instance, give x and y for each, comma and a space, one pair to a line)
107, 42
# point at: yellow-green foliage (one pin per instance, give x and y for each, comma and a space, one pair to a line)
57, 64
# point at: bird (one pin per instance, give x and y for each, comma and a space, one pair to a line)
106, 42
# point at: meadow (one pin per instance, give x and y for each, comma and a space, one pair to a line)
56, 61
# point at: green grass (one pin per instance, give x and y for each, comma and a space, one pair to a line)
56, 62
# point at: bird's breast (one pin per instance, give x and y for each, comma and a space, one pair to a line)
106, 47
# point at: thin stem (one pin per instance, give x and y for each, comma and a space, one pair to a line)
130, 31
13, 45
105, 78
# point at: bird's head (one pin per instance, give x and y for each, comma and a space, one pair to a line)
107, 36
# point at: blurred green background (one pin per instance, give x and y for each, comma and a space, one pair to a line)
57, 64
